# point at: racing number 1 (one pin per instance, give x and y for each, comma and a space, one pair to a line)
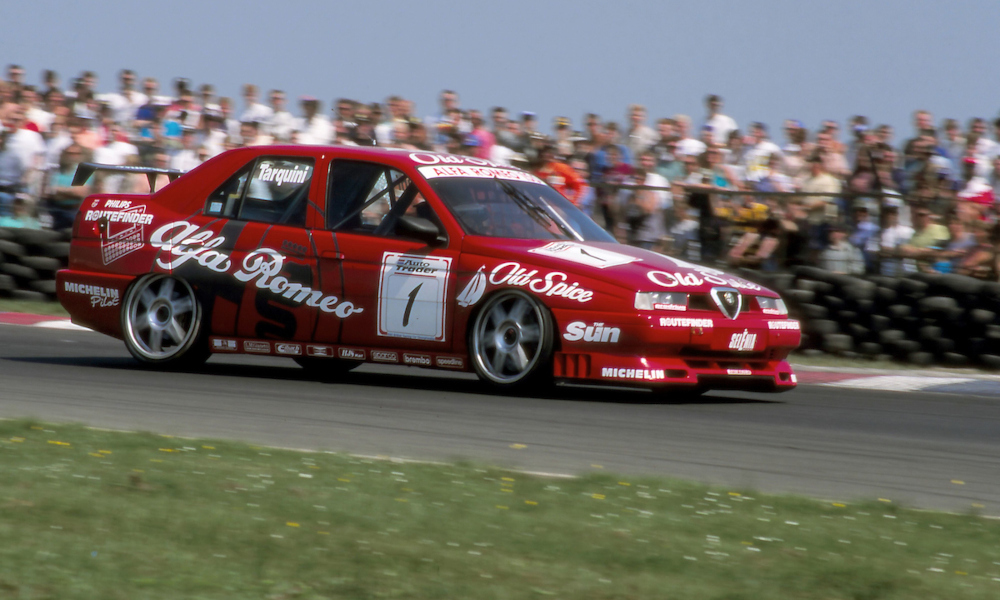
411, 295
409, 304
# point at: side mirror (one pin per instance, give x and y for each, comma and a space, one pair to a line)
421, 229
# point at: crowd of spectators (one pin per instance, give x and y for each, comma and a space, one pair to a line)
710, 191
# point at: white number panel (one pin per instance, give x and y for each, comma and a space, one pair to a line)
411, 296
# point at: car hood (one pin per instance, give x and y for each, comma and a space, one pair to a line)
616, 264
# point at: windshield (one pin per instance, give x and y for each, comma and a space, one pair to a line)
529, 211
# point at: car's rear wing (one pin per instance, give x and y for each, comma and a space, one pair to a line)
85, 170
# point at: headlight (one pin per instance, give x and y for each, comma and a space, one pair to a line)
772, 306
661, 301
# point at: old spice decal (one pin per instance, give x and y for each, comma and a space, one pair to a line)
550, 284
183, 242
123, 227
474, 290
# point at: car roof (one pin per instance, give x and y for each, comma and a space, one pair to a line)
393, 156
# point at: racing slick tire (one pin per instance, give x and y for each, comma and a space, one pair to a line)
162, 322
510, 341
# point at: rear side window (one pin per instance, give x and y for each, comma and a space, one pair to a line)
271, 190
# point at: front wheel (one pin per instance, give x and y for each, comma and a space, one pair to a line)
511, 340
162, 322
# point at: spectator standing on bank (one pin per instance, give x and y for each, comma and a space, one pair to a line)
722, 125
282, 122
822, 210
125, 103
485, 140
892, 238
11, 175
62, 197
928, 238
864, 236
840, 256
314, 127
641, 137
759, 153
686, 144
254, 110
558, 174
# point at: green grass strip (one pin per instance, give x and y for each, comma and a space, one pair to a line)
89, 514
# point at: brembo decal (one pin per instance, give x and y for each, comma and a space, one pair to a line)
420, 360
551, 284
183, 242
411, 294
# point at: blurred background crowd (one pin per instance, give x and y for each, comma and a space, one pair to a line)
851, 197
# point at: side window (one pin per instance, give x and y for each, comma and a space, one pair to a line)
278, 191
225, 201
368, 197
272, 190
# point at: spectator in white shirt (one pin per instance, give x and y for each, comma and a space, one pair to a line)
255, 111
687, 145
282, 122
314, 128
722, 125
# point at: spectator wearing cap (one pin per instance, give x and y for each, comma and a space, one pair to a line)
687, 145
314, 127
641, 137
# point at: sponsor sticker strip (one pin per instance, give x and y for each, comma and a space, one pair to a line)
222, 344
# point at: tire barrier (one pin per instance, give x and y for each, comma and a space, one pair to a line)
921, 319
29, 259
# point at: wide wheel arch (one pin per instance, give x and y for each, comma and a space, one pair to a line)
511, 339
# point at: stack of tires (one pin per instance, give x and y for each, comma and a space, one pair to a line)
29, 259
921, 319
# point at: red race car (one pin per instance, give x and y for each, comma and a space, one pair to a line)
338, 256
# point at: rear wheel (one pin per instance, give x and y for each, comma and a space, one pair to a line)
511, 340
162, 322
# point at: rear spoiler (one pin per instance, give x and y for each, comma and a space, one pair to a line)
85, 170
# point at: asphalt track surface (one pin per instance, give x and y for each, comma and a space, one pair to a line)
929, 450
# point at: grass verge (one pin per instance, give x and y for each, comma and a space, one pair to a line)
33, 307
104, 515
